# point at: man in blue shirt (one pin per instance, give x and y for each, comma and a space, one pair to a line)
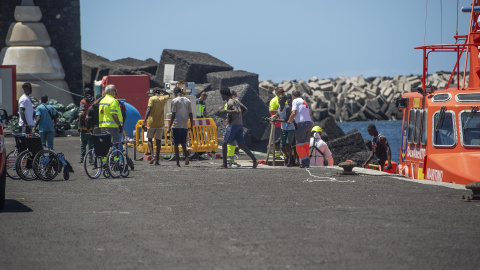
46, 122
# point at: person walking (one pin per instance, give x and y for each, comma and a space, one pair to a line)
154, 122
181, 112
301, 115
273, 108
381, 152
234, 131
25, 110
201, 105
319, 151
46, 122
232, 146
85, 133
110, 115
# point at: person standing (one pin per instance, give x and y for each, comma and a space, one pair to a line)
110, 115
301, 115
46, 123
380, 149
234, 131
319, 150
201, 106
181, 112
91, 121
85, 133
25, 110
155, 121
273, 108
287, 134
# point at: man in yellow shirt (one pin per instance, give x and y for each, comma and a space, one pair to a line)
155, 121
110, 117
273, 108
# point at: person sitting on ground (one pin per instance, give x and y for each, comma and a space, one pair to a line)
380, 149
319, 151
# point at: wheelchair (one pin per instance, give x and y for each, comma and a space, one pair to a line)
105, 157
28, 146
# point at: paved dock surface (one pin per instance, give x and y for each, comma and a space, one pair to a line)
201, 217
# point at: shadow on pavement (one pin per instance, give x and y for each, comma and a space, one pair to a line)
14, 206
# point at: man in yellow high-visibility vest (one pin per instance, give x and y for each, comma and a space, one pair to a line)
110, 116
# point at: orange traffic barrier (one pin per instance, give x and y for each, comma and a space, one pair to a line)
202, 138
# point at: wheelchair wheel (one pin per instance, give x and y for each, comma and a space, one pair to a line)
126, 172
24, 166
106, 173
116, 163
93, 169
11, 164
46, 165
130, 163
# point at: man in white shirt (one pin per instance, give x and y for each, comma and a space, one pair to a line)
301, 115
319, 150
25, 109
181, 113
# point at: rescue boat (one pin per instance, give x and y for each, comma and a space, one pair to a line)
440, 138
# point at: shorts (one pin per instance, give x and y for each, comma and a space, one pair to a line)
155, 132
179, 135
286, 138
234, 133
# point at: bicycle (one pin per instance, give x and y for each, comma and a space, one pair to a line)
114, 164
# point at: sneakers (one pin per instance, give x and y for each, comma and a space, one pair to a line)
234, 165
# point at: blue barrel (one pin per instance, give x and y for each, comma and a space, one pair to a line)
132, 118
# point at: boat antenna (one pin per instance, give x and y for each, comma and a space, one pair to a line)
441, 22
425, 29
456, 31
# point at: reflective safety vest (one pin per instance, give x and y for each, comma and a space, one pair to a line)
200, 107
108, 106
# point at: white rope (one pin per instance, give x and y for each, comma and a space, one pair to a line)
324, 179
54, 86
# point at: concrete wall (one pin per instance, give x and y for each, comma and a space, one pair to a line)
62, 20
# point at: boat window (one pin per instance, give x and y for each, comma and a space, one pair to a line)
442, 97
418, 119
443, 129
423, 139
468, 97
411, 128
470, 129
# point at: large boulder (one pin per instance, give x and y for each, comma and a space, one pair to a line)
350, 146
330, 129
190, 66
255, 129
232, 78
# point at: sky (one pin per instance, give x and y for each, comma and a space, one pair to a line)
279, 39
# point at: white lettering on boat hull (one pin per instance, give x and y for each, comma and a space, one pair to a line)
435, 175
